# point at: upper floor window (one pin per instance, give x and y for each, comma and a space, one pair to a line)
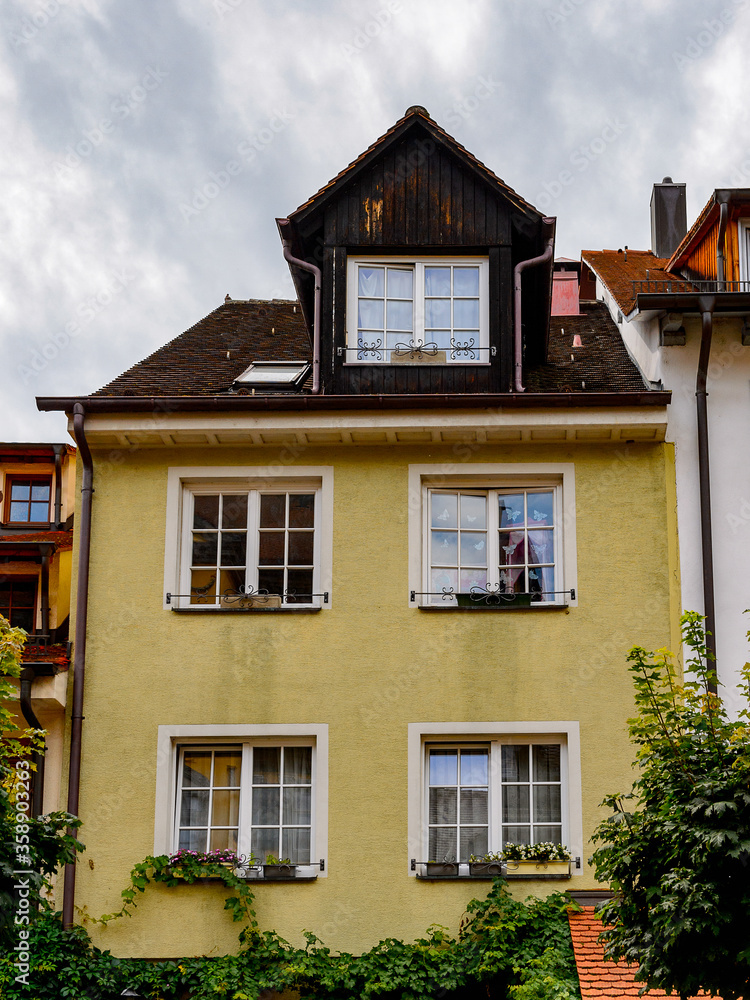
28, 500
428, 310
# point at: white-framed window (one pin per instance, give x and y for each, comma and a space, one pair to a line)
475, 787
252, 788
253, 538
425, 309
492, 536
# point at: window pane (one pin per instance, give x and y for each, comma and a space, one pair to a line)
39, 512
473, 578
203, 587
512, 581
227, 768
437, 313
301, 510
516, 804
196, 770
271, 549
473, 806
233, 548
225, 808
546, 762
473, 512
473, 548
264, 842
194, 809
21, 490
19, 511
232, 581
443, 767
273, 510
300, 548
297, 806
399, 316
371, 281
271, 581
206, 512
466, 314
540, 508
474, 767
466, 281
300, 585
223, 840
370, 314
295, 845
297, 765
192, 840
444, 510
516, 835
515, 763
442, 844
204, 549
234, 511
266, 762
511, 510
440, 580
547, 804
400, 283
437, 281
473, 841
541, 546
445, 548
512, 548
548, 835
443, 805
22, 619
266, 804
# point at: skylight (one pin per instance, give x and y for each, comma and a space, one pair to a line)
274, 373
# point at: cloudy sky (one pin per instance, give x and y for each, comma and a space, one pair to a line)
148, 145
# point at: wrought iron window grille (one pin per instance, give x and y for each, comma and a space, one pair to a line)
491, 595
247, 594
673, 286
377, 350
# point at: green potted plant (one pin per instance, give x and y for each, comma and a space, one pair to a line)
191, 865
278, 867
486, 864
536, 859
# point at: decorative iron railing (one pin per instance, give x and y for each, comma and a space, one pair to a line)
675, 286
243, 598
377, 351
490, 596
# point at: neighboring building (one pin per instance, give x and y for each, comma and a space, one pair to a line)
37, 499
683, 309
364, 569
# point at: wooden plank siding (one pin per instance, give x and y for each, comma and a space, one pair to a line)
702, 260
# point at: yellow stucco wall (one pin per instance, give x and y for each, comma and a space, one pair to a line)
367, 667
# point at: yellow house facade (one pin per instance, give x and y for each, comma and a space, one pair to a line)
359, 596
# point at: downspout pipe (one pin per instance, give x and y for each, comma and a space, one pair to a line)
706, 304
37, 794
79, 652
521, 266
315, 272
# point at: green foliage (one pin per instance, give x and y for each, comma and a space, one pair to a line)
14, 741
502, 945
677, 849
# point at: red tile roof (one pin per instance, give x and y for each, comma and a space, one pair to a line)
618, 270
61, 539
56, 653
600, 979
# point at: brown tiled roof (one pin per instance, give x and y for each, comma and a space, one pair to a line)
56, 653
600, 979
61, 539
601, 364
439, 132
618, 274
207, 358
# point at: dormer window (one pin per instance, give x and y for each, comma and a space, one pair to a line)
274, 374
419, 310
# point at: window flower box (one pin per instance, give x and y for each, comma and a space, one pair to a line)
535, 869
484, 868
441, 869
280, 870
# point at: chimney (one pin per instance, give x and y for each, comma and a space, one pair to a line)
668, 217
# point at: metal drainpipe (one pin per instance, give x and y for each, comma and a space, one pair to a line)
37, 796
517, 330
315, 271
706, 304
45, 589
79, 654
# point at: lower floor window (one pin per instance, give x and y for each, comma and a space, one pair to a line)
246, 798
481, 797
18, 601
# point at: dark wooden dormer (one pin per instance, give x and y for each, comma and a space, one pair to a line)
416, 241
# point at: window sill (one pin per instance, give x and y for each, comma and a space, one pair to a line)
230, 612
503, 608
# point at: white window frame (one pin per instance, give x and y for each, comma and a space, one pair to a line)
498, 476
184, 482
423, 735
172, 739
417, 264
743, 232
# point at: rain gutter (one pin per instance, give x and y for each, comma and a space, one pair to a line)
79, 650
29, 672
